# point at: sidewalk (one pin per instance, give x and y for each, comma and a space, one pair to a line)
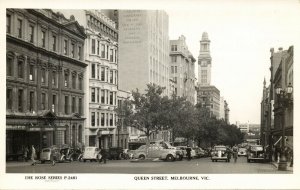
275, 164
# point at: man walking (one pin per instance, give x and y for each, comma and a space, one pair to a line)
103, 155
235, 152
33, 155
188, 152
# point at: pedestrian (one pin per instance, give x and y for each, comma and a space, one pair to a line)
188, 152
103, 155
228, 151
235, 152
25, 154
33, 155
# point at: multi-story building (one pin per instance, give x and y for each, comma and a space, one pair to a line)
101, 55
143, 49
207, 94
44, 79
209, 97
182, 69
272, 114
244, 127
222, 108
283, 110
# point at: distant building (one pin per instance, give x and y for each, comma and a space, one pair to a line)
204, 61
226, 110
209, 97
143, 49
207, 94
182, 69
44, 80
222, 108
244, 127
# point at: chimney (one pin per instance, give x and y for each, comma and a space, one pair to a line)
280, 49
272, 50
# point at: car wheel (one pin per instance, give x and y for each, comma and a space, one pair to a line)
180, 157
142, 157
42, 161
169, 158
84, 160
248, 160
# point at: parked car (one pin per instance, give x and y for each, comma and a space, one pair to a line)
91, 153
114, 153
155, 151
199, 152
242, 152
256, 153
50, 154
167, 145
219, 153
193, 153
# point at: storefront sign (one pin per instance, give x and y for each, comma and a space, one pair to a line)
104, 132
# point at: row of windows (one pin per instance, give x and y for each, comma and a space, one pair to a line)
45, 74
70, 47
103, 96
103, 50
102, 119
98, 25
21, 105
104, 74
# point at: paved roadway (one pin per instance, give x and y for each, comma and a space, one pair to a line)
195, 166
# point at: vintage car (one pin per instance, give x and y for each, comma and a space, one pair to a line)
154, 151
199, 152
256, 153
242, 152
50, 154
114, 153
167, 145
219, 153
183, 148
91, 153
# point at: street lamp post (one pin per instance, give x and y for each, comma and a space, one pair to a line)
284, 101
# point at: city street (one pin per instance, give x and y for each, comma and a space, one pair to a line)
195, 166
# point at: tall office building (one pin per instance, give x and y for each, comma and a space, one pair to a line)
182, 67
143, 49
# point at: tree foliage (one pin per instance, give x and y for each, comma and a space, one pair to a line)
151, 112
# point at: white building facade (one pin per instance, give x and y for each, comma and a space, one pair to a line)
101, 52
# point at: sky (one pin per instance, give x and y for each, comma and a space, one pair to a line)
241, 36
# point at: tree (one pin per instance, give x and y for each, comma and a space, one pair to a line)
148, 110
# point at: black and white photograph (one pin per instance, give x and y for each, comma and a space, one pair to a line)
143, 95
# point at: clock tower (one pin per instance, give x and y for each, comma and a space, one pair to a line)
204, 62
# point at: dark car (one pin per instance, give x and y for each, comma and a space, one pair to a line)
256, 153
114, 153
